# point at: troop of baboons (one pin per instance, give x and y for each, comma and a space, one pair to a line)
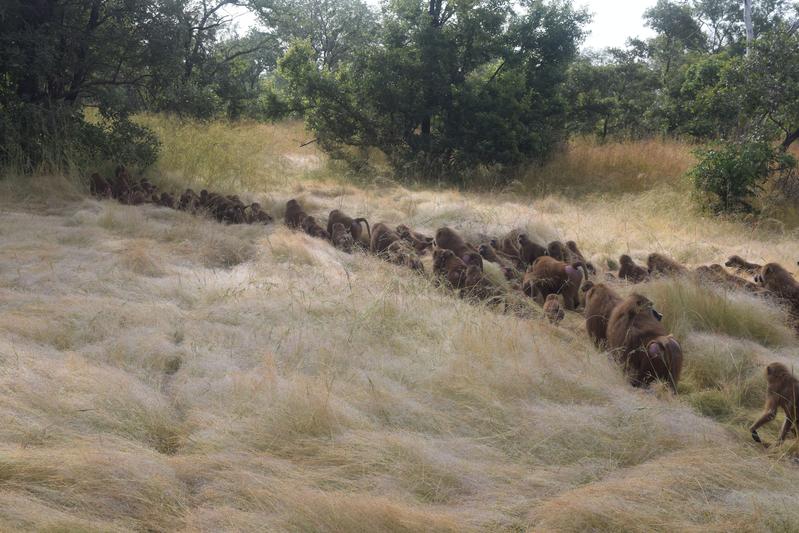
555, 275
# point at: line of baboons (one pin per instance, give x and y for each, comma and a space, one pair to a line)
556, 275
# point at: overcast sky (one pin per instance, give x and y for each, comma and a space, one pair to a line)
614, 21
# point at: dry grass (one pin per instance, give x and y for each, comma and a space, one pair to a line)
163, 372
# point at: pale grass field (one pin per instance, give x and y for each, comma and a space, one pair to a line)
163, 372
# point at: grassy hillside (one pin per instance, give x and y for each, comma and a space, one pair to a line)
164, 372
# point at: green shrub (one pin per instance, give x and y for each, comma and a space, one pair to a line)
729, 176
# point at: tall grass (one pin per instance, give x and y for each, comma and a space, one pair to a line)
160, 371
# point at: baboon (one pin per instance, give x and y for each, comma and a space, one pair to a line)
258, 215
382, 237
449, 267
353, 225
552, 309
549, 276
167, 200
401, 253
630, 271
120, 185
477, 286
146, 186
778, 281
641, 344
294, 214
660, 264
529, 251
716, 274
577, 255
341, 237
473, 258
600, 300
98, 186
508, 244
421, 243
740, 265
189, 201
782, 392
506, 264
312, 228
449, 239
558, 250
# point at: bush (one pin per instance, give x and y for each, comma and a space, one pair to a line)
730, 175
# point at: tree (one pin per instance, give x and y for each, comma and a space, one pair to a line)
448, 85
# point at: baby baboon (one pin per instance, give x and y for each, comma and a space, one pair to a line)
600, 300
353, 225
294, 214
449, 267
782, 392
549, 276
99, 186
740, 265
341, 237
382, 237
661, 264
401, 253
630, 271
421, 243
641, 344
258, 215
449, 239
552, 309
312, 228
529, 251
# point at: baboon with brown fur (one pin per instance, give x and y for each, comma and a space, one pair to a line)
449, 267
313, 228
782, 392
577, 255
449, 239
294, 214
600, 300
630, 271
508, 244
258, 215
342, 238
663, 265
552, 310
557, 250
779, 282
549, 276
98, 186
382, 237
189, 201
167, 200
353, 225
529, 251
401, 253
508, 267
477, 286
716, 274
740, 265
642, 345
420, 242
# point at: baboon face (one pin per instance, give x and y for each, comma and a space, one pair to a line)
644, 305
777, 372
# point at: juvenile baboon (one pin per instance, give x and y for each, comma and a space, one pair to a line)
382, 237
258, 215
549, 276
740, 265
641, 344
630, 271
600, 300
782, 392
341, 237
420, 242
401, 253
294, 214
312, 228
353, 225
552, 309
661, 264
99, 186
449, 267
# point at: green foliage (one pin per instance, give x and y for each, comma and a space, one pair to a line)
448, 86
731, 174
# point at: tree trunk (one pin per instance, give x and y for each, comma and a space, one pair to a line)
750, 34
789, 139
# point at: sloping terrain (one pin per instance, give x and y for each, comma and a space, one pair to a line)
164, 372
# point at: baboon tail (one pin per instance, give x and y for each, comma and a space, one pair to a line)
368, 230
